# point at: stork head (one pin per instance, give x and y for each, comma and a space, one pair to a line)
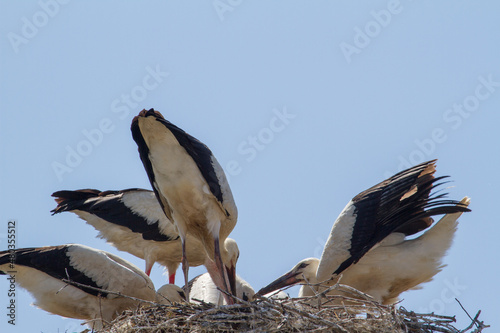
244, 290
303, 272
169, 294
231, 257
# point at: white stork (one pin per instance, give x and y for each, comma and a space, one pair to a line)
42, 270
202, 288
367, 242
132, 221
170, 293
191, 188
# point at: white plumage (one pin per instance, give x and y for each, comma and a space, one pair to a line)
202, 288
367, 243
169, 294
385, 271
132, 221
41, 271
191, 188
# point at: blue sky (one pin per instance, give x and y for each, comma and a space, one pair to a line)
304, 104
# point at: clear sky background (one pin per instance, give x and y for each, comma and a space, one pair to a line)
305, 104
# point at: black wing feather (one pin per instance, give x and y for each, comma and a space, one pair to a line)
401, 203
144, 155
109, 206
54, 261
199, 152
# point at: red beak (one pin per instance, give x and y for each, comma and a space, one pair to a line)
283, 281
231, 274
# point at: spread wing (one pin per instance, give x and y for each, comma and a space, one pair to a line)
402, 203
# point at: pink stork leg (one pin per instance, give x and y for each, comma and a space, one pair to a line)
149, 266
185, 268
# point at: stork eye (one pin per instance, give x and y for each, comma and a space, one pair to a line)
245, 297
303, 265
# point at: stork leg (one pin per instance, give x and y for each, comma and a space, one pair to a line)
149, 266
185, 268
172, 270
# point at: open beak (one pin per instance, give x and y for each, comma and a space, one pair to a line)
283, 281
231, 275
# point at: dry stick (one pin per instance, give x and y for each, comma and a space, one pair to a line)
355, 291
100, 311
432, 314
302, 313
468, 315
347, 289
480, 325
397, 318
323, 294
428, 323
363, 303
212, 321
165, 298
337, 286
196, 316
252, 306
100, 307
173, 320
331, 298
107, 291
314, 291
234, 297
202, 313
437, 329
276, 292
284, 316
479, 328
